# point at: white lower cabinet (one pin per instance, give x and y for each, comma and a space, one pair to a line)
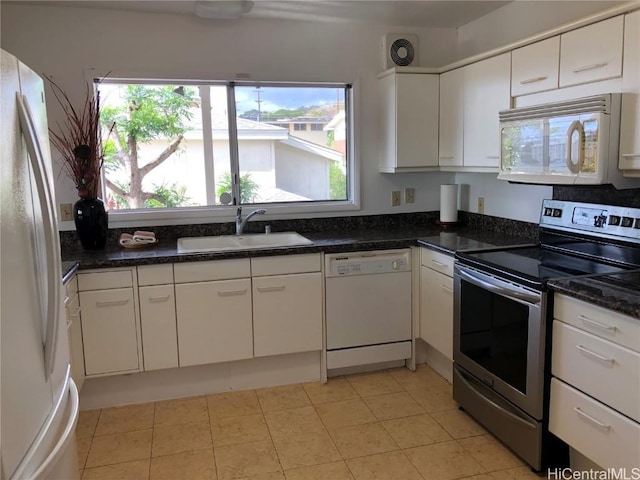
74, 333
595, 392
214, 321
109, 331
436, 309
436, 312
287, 314
158, 323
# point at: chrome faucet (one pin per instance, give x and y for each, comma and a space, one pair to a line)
241, 222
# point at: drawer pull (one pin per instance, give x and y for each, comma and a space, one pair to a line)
278, 288
587, 320
76, 313
595, 355
631, 155
533, 80
230, 293
66, 301
597, 423
446, 289
493, 157
159, 298
446, 158
593, 66
438, 264
112, 303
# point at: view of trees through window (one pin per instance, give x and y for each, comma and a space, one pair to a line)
171, 144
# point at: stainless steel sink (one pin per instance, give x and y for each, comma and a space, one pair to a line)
241, 242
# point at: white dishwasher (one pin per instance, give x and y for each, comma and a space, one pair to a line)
368, 307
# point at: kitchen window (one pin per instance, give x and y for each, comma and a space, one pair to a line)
181, 147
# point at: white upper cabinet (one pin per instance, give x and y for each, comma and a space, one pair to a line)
534, 68
487, 89
630, 120
451, 118
408, 122
591, 53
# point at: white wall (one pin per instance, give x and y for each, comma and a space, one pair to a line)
66, 42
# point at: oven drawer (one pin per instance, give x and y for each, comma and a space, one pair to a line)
601, 434
600, 368
437, 261
613, 326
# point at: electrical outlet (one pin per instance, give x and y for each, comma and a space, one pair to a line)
480, 205
395, 198
409, 195
65, 212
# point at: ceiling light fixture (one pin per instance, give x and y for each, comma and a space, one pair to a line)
222, 9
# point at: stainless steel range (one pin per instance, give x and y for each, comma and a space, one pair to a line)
503, 312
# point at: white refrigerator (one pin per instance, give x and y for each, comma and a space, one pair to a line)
38, 399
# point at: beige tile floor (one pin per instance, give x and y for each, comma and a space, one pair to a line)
394, 424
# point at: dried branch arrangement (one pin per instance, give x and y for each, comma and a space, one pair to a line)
79, 140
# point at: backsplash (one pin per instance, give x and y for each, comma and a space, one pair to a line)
603, 194
69, 239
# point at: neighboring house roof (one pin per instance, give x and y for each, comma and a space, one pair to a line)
336, 122
247, 129
314, 148
275, 194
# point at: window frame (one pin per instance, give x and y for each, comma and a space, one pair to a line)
213, 213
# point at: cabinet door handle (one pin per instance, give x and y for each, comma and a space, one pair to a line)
112, 303
446, 289
277, 288
230, 293
631, 155
587, 320
533, 80
597, 423
493, 157
446, 158
593, 66
595, 355
160, 298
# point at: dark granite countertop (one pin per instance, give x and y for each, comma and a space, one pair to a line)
332, 242
619, 292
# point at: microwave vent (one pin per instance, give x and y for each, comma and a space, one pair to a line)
596, 104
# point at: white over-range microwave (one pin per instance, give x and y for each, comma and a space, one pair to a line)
565, 143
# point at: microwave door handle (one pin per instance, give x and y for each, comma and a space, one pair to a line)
505, 292
576, 126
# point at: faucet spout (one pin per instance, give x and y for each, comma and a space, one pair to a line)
241, 222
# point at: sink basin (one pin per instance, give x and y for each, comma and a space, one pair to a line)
241, 242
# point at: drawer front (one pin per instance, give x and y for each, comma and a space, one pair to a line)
285, 264
437, 261
155, 275
604, 370
601, 434
105, 280
604, 323
211, 271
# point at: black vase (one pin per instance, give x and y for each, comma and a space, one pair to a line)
92, 223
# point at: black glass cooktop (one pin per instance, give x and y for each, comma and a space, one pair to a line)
534, 264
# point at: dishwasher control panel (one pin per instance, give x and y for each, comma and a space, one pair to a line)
368, 263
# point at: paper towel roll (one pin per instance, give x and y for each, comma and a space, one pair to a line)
449, 203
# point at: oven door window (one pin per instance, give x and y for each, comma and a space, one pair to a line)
494, 334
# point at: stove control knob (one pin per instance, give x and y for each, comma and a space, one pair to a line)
614, 220
548, 211
637, 223
627, 222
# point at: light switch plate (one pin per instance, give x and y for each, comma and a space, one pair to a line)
409, 195
66, 214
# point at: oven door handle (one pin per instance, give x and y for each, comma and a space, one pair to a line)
506, 292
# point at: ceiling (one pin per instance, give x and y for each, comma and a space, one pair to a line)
423, 13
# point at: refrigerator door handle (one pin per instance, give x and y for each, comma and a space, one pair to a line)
45, 198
